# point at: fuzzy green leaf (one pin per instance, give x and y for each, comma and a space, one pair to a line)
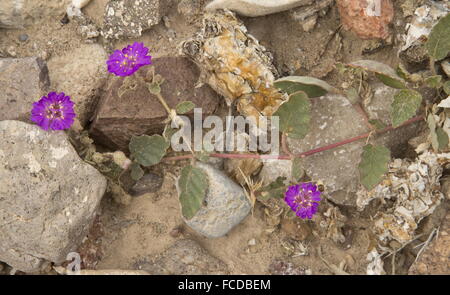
154, 88
274, 190
184, 107
378, 124
311, 86
383, 72
193, 184
438, 44
297, 171
434, 81
442, 139
136, 171
405, 105
295, 115
373, 165
148, 150
447, 87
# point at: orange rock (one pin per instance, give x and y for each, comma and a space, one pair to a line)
369, 19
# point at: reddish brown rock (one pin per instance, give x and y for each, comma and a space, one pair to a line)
369, 19
436, 258
138, 111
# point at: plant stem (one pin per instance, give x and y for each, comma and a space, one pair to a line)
164, 103
301, 155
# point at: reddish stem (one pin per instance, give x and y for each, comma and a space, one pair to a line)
301, 155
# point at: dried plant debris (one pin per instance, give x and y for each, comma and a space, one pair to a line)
414, 190
333, 223
375, 265
425, 17
235, 65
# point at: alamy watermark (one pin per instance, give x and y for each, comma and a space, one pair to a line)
234, 134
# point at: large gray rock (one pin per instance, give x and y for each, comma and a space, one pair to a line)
184, 257
80, 74
333, 120
16, 14
226, 205
48, 196
22, 82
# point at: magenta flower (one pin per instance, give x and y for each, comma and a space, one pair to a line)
129, 60
54, 111
303, 199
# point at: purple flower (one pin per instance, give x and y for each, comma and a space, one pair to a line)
54, 111
129, 60
303, 198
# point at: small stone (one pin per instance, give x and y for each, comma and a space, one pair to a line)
49, 196
128, 109
272, 169
184, 257
252, 242
149, 183
23, 37
226, 205
310, 23
22, 82
11, 50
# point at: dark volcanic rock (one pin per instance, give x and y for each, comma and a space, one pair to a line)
128, 108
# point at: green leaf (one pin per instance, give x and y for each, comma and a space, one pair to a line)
405, 105
447, 87
297, 171
202, 156
402, 72
438, 44
154, 88
442, 139
184, 107
434, 81
311, 86
383, 72
373, 165
295, 115
136, 171
378, 124
148, 150
274, 190
192, 184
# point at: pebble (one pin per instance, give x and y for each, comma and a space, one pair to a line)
23, 37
